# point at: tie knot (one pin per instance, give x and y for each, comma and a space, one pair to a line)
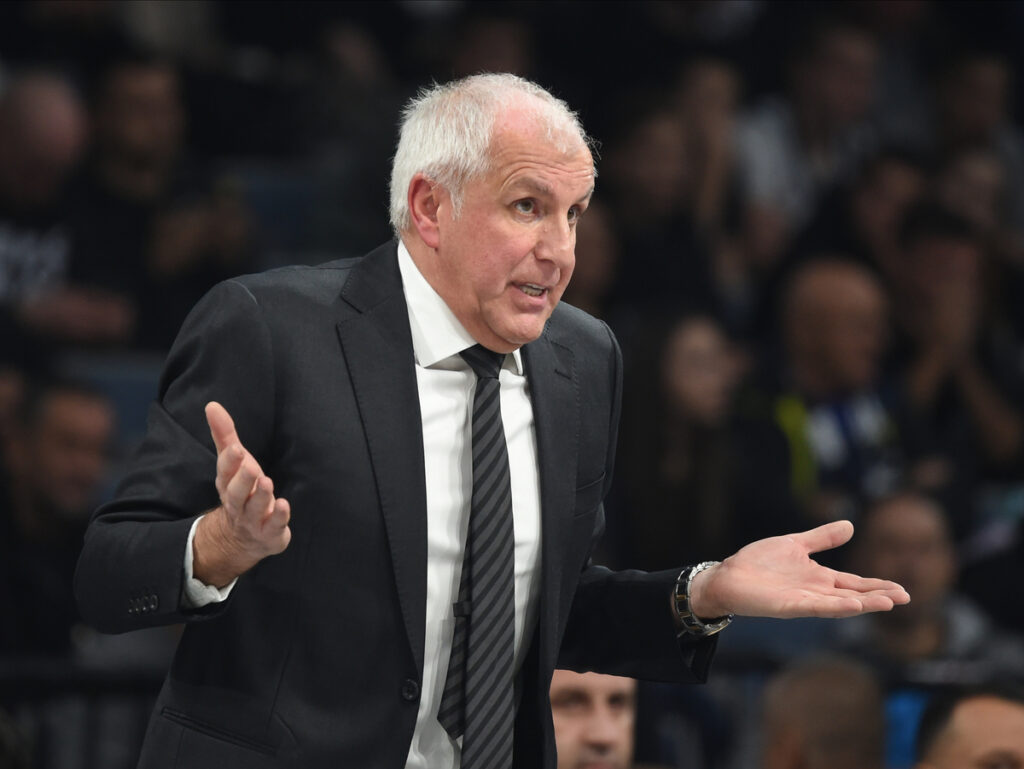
485, 363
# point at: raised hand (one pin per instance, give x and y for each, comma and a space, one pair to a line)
250, 523
776, 577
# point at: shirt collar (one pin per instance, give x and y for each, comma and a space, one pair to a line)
436, 333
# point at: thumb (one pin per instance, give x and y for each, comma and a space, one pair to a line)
825, 537
222, 426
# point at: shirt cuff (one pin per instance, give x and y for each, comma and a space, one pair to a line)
197, 593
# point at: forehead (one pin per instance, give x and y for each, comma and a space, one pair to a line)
988, 722
524, 148
593, 684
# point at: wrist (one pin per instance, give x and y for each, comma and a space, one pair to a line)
216, 560
695, 614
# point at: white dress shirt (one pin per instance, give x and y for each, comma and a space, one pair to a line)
446, 385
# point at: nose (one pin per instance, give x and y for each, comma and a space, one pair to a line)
603, 729
558, 243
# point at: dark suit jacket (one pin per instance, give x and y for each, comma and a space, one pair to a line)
317, 657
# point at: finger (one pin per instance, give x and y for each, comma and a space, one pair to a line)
222, 426
228, 462
865, 584
241, 485
277, 525
279, 515
261, 501
825, 537
839, 606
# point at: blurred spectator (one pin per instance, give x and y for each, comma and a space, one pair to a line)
976, 728
999, 563
54, 464
961, 385
823, 713
353, 93
597, 262
840, 420
594, 716
863, 219
706, 95
792, 149
696, 481
973, 110
42, 136
649, 177
940, 637
143, 224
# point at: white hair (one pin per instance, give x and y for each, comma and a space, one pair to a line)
446, 133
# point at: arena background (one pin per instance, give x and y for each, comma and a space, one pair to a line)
808, 236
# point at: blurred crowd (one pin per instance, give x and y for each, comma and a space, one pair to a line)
808, 236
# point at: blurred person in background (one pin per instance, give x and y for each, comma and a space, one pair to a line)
962, 387
941, 637
862, 219
973, 109
828, 397
791, 149
824, 712
146, 224
42, 138
649, 177
597, 263
706, 98
980, 727
54, 464
595, 720
695, 477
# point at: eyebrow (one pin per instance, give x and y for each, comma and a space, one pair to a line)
541, 188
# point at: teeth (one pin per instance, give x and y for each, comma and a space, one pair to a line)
531, 290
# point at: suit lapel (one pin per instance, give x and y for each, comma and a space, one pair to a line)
553, 392
377, 345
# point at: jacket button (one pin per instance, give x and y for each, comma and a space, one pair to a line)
410, 690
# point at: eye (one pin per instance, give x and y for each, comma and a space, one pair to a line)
526, 206
574, 214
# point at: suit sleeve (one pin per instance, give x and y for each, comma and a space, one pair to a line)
621, 623
131, 570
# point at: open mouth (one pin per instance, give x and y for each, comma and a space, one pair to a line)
532, 289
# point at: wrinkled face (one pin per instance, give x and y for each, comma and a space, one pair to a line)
594, 716
984, 733
502, 263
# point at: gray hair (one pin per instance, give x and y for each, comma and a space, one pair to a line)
446, 133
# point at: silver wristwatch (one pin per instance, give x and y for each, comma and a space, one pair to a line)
688, 622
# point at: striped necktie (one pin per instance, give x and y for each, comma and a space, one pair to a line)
478, 699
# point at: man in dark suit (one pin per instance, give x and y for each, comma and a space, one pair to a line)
321, 622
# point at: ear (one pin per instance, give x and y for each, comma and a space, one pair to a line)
424, 202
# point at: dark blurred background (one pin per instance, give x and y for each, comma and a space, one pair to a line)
808, 235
